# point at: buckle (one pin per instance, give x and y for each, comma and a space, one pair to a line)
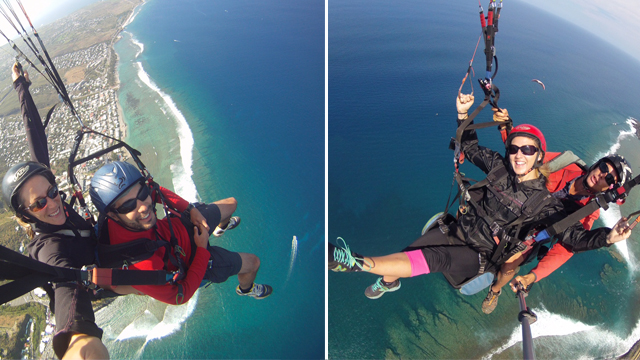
443, 228
87, 276
179, 250
495, 228
483, 263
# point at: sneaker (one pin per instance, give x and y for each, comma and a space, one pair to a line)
258, 291
233, 222
341, 259
379, 288
491, 301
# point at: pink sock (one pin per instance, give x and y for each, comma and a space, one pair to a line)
419, 264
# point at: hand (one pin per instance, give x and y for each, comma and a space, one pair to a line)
621, 231
525, 281
15, 72
463, 103
199, 220
500, 115
201, 238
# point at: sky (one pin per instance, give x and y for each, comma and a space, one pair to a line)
615, 21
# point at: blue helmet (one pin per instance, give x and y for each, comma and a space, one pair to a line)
111, 181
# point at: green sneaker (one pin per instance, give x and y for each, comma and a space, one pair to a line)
342, 259
379, 288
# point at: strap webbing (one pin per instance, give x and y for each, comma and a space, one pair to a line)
106, 276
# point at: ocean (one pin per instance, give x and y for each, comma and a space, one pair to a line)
226, 99
394, 71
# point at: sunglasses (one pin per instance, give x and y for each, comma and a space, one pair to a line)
41, 203
527, 150
131, 204
604, 168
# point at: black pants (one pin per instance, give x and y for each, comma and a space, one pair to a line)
447, 253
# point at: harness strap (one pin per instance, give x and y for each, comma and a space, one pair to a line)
108, 276
175, 259
20, 287
462, 127
67, 232
132, 251
28, 274
593, 205
531, 206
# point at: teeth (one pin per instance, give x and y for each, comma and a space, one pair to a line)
55, 213
146, 216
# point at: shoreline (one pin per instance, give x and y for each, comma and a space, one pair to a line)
117, 37
172, 162
122, 123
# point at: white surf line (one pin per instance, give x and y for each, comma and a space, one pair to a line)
182, 183
611, 216
138, 44
548, 324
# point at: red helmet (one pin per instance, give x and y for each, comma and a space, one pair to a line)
529, 131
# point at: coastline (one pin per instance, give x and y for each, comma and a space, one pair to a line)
116, 87
154, 126
116, 75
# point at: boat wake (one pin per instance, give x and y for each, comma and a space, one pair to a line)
294, 255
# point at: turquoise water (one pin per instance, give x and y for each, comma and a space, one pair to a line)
394, 71
227, 99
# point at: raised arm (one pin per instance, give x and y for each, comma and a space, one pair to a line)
480, 156
36, 137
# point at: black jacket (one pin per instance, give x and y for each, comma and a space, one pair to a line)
503, 201
72, 301
36, 137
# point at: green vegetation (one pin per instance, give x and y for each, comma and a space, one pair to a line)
12, 339
9, 236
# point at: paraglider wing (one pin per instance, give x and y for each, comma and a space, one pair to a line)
539, 82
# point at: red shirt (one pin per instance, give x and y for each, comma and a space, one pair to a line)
559, 254
166, 293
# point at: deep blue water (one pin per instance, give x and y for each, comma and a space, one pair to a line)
394, 71
249, 79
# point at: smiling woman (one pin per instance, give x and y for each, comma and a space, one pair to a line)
59, 235
494, 230
45, 203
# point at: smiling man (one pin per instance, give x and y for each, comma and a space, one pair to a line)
127, 208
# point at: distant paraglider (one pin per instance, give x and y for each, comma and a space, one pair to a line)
539, 82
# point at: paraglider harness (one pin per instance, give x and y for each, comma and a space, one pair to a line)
507, 245
125, 254
498, 173
28, 274
108, 255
